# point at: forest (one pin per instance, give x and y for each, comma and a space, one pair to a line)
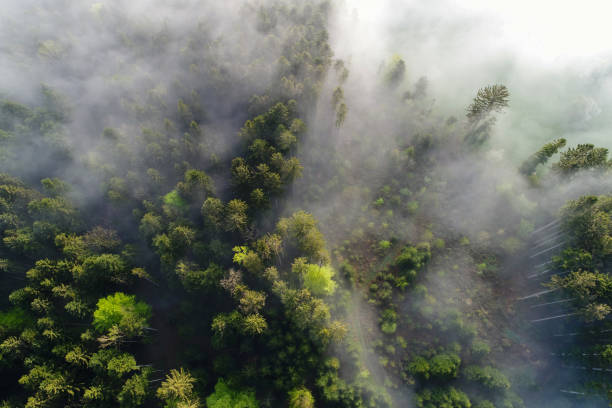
269, 203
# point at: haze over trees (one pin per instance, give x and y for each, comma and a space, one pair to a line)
204, 204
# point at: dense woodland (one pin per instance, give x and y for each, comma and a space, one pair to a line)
214, 227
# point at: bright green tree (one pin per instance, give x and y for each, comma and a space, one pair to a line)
319, 280
124, 311
226, 397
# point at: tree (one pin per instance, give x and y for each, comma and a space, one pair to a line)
72, 245
587, 221
290, 170
196, 185
573, 259
241, 172
212, 211
254, 324
388, 321
236, 218
445, 365
101, 268
305, 311
269, 246
419, 367
150, 225
252, 301
541, 156
194, 278
224, 323
488, 376
596, 311
301, 398
249, 259
268, 179
341, 113
286, 140
396, 71
492, 98
54, 186
177, 389
258, 198
55, 210
135, 390
265, 126
447, 397
259, 151
100, 239
173, 203
232, 282
302, 227
412, 259
319, 280
584, 285
122, 364
77, 356
582, 157
181, 238
123, 311
226, 397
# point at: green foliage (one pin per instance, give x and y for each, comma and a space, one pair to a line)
194, 278
236, 218
488, 99
319, 280
121, 365
396, 71
150, 225
388, 321
302, 228
541, 156
226, 397
14, 320
452, 320
177, 389
249, 259
266, 325
484, 404
135, 390
588, 222
174, 199
384, 245
412, 259
196, 186
447, 397
54, 186
307, 312
301, 398
488, 376
440, 366
573, 259
102, 268
123, 311
582, 157
212, 211
419, 367
445, 365
254, 324
480, 348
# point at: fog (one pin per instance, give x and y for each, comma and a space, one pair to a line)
553, 57
555, 63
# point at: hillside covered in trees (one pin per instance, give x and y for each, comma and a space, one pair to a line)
223, 205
